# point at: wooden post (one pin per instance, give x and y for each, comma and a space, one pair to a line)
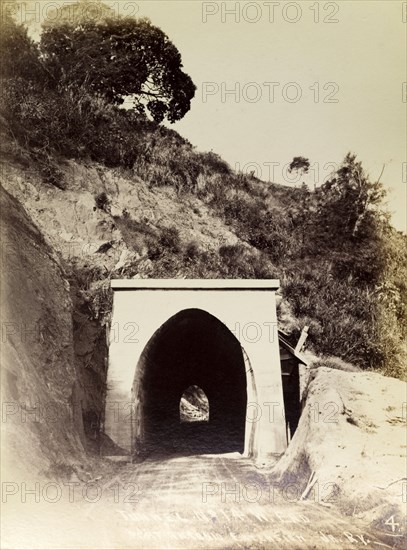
301, 341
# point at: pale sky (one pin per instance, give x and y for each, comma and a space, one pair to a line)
282, 79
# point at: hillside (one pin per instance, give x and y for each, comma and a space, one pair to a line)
115, 194
95, 245
91, 192
119, 194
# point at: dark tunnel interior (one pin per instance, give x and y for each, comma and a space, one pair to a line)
193, 348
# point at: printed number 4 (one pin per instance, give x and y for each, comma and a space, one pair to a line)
391, 522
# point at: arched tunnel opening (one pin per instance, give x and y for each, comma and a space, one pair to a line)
194, 405
191, 349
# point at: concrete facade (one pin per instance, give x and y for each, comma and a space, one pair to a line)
239, 329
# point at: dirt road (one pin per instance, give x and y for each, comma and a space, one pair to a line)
216, 501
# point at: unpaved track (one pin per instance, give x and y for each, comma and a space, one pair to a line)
183, 503
226, 502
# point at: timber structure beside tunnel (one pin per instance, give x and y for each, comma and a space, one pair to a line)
218, 335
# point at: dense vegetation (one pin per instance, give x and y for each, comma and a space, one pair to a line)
342, 265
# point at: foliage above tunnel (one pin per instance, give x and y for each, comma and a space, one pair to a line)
117, 58
342, 266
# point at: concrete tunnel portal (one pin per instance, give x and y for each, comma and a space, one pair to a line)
192, 348
170, 335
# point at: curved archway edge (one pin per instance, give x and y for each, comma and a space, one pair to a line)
248, 310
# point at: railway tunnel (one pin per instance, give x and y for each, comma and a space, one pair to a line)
192, 348
218, 335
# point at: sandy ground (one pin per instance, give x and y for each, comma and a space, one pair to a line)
352, 434
207, 501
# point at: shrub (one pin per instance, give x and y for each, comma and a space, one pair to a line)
51, 172
169, 243
192, 250
102, 201
242, 262
214, 163
140, 237
334, 363
170, 239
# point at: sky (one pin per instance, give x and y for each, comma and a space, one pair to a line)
278, 79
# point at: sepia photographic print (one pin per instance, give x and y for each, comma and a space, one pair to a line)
203, 274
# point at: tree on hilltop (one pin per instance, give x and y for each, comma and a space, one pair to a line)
18, 52
350, 203
300, 165
118, 58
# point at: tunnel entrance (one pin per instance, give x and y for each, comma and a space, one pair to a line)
192, 358
169, 334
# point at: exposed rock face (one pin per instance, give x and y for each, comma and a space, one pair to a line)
42, 421
87, 229
99, 224
90, 347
